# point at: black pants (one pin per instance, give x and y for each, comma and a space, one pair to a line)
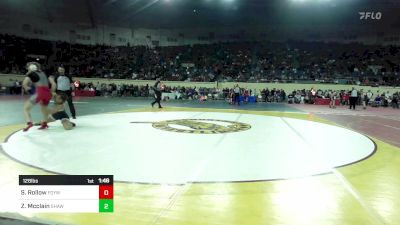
395, 104
157, 99
69, 100
237, 98
353, 101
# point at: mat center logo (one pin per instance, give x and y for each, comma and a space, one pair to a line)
201, 126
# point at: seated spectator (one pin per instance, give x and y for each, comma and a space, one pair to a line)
377, 101
395, 100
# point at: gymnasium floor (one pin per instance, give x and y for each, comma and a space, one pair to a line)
213, 163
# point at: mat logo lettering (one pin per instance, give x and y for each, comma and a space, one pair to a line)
201, 126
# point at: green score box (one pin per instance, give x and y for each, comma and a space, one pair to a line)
106, 205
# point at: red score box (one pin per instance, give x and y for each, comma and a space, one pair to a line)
106, 192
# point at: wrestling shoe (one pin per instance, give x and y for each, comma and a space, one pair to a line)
29, 125
43, 126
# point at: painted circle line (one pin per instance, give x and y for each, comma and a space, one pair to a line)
251, 148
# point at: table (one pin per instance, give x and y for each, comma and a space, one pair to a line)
325, 101
85, 93
249, 98
169, 95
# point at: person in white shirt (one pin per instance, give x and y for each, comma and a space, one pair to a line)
388, 95
364, 99
369, 96
353, 98
236, 90
333, 96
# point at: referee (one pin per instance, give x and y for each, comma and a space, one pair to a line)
65, 85
157, 93
353, 98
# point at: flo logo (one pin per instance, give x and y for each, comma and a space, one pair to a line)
370, 15
200, 126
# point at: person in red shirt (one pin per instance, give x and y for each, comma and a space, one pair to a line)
346, 98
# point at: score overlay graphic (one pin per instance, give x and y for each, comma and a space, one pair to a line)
65, 193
